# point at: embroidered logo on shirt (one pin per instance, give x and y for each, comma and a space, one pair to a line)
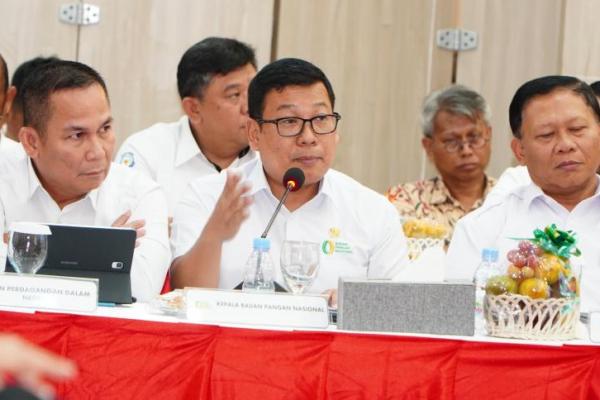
333, 245
127, 159
334, 233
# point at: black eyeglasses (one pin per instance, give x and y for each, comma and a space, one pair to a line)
293, 126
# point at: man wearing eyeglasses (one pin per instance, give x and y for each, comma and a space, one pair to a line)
293, 124
457, 135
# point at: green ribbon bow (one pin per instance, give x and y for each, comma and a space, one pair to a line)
555, 241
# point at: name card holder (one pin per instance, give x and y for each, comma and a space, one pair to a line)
44, 292
275, 309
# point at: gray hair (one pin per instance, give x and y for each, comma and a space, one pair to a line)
456, 100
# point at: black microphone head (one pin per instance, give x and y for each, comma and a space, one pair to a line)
293, 178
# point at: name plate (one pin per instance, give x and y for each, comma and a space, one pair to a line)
44, 292
237, 307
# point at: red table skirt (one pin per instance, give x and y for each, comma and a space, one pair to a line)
130, 359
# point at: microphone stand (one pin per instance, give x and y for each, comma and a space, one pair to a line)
288, 188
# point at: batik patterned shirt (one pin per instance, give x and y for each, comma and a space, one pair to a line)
431, 199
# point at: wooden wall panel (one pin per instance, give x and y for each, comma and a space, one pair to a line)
30, 28
440, 75
378, 55
138, 44
518, 40
581, 42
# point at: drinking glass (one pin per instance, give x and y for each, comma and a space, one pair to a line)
299, 264
27, 246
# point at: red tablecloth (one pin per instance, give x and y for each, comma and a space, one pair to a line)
131, 359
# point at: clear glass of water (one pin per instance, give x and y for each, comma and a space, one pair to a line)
27, 246
299, 264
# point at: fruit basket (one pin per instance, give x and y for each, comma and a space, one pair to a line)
538, 297
422, 234
522, 317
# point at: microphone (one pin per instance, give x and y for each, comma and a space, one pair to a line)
293, 179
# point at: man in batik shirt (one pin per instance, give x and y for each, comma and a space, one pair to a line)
456, 138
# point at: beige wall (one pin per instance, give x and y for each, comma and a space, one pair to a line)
25, 32
136, 46
580, 55
518, 40
138, 56
379, 54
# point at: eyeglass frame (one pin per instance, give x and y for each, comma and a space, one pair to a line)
275, 121
460, 143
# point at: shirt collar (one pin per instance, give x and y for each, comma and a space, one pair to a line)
532, 191
93, 195
35, 185
187, 148
258, 179
33, 180
326, 186
441, 194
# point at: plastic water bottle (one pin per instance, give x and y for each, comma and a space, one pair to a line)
258, 275
486, 269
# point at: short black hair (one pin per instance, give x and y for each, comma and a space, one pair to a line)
4, 69
22, 72
545, 85
596, 88
48, 79
278, 75
207, 58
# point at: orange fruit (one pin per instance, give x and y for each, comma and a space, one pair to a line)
535, 288
550, 268
527, 272
514, 272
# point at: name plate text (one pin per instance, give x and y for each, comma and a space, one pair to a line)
45, 292
275, 309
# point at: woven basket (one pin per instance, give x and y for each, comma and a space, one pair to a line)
417, 245
516, 316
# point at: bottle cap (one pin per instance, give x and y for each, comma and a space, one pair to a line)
261, 244
489, 254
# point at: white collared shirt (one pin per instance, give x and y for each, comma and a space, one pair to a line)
23, 198
169, 154
7, 145
523, 210
511, 179
357, 229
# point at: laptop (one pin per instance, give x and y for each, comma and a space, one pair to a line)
104, 253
